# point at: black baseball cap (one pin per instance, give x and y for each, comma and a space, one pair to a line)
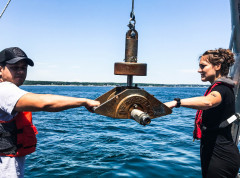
13, 55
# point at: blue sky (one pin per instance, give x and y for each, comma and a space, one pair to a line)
81, 40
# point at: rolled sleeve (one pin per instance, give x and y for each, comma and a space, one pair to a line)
9, 95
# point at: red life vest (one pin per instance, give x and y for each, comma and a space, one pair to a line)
197, 133
18, 136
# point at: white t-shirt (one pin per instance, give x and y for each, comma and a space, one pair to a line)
9, 95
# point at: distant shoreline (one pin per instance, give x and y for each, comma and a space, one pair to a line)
62, 83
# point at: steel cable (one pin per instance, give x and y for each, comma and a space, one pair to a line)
5, 9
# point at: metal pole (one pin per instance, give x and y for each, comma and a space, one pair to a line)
235, 71
232, 37
129, 80
234, 4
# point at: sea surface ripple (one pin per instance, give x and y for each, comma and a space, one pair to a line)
76, 143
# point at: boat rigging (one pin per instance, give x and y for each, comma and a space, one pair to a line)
5, 8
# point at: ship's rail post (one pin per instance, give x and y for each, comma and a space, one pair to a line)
235, 70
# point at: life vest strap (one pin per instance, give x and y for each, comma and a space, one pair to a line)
223, 124
8, 134
21, 146
30, 146
230, 120
9, 151
5, 134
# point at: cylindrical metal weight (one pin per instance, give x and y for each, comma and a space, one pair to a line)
131, 46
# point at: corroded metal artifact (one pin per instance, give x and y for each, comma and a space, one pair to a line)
128, 102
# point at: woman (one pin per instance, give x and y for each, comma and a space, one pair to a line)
219, 155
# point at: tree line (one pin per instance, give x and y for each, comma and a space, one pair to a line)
32, 82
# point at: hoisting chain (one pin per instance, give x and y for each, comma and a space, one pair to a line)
132, 20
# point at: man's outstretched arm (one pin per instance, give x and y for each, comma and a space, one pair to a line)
51, 103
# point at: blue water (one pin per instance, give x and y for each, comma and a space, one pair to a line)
76, 143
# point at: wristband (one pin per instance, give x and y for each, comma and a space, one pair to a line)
178, 102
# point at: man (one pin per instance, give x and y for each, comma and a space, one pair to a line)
17, 133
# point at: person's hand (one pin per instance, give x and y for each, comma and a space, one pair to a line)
171, 104
90, 104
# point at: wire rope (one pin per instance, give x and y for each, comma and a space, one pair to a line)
5, 8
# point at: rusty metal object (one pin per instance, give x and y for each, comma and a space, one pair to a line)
131, 46
130, 102
140, 117
130, 68
120, 101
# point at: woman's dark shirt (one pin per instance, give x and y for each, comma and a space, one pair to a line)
217, 144
213, 117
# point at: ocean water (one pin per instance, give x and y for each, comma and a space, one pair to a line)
76, 143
